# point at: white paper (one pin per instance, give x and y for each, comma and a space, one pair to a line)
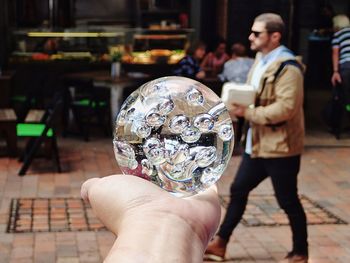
242, 94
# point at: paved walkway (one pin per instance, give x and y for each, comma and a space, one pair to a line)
324, 178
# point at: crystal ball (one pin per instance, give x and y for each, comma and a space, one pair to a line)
176, 133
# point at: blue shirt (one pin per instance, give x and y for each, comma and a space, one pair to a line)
187, 67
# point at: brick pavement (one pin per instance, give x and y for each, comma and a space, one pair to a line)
324, 178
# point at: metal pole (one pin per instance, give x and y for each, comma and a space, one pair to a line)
291, 22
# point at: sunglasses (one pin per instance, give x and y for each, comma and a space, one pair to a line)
257, 33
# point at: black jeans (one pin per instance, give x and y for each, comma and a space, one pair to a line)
345, 85
283, 173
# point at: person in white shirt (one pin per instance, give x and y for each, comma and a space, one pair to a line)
236, 69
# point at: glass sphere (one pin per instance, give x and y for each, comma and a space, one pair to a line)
176, 133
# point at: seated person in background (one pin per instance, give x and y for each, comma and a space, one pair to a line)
189, 65
237, 68
214, 61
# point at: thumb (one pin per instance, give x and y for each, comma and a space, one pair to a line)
84, 191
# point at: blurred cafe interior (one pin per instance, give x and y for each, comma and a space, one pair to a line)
98, 52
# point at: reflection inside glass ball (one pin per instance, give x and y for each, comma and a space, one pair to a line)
176, 133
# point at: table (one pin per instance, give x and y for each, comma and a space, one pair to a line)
102, 78
8, 121
5, 88
214, 84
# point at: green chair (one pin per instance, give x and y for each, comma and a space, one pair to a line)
29, 92
89, 104
37, 134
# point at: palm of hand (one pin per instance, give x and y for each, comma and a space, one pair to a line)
117, 198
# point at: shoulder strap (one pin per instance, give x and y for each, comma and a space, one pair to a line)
292, 62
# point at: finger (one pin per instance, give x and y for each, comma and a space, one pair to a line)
84, 191
209, 195
213, 188
122, 189
210, 204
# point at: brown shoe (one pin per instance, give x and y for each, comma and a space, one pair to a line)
216, 250
295, 258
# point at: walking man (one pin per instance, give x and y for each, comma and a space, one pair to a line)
274, 141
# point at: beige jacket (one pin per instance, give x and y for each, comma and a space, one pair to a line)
281, 103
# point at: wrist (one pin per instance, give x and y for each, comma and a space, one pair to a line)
161, 237
248, 111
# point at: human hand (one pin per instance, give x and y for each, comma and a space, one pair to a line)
237, 110
200, 75
336, 78
152, 225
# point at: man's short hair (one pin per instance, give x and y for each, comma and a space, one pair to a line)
239, 50
192, 47
273, 22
